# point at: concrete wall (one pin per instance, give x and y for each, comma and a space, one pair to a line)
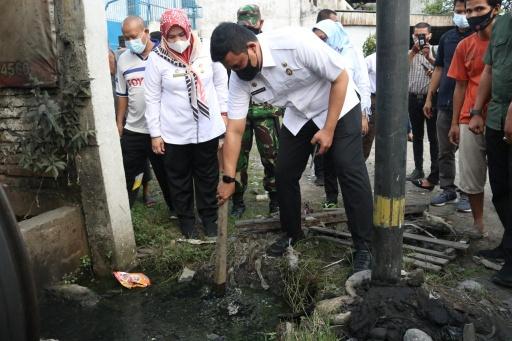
55, 242
101, 190
275, 13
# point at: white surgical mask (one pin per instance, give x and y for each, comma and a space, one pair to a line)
179, 45
460, 20
136, 45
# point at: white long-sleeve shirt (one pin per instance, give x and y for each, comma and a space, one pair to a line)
358, 71
168, 110
297, 72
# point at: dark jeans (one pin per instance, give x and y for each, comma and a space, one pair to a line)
446, 150
194, 168
416, 103
499, 161
136, 149
346, 153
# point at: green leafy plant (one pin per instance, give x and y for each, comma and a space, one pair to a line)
370, 45
441, 7
53, 145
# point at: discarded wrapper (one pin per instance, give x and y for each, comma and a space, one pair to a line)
132, 280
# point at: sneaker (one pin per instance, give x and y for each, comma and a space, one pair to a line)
496, 255
273, 207
319, 181
503, 277
237, 210
278, 248
415, 175
443, 198
329, 205
362, 260
463, 204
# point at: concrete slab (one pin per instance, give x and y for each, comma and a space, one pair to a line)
55, 241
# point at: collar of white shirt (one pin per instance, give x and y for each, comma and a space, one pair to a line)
268, 60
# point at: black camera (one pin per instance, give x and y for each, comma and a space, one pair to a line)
422, 40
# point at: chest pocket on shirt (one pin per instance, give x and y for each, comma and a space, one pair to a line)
502, 52
294, 74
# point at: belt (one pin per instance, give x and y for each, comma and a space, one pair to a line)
417, 96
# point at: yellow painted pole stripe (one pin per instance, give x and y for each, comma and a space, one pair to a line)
388, 212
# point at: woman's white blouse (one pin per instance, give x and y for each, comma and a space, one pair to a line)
168, 110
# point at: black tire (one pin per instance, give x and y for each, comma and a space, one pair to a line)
19, 317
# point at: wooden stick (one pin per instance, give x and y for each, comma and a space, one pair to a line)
410, 236
220, 276
424, 265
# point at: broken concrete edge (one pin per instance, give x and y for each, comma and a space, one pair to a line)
56, 242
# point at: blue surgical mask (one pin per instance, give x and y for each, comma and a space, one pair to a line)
136, 45
460, 20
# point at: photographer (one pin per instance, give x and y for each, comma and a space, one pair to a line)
421, 66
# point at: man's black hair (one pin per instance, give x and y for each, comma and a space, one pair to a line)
229, 37
455, 2
492, 3
424, 25
324, 14
156, 35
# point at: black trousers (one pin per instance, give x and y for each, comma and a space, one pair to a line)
136, 149
193, 174
499, 161
347, 154
417, 118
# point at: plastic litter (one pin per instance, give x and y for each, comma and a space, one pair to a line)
132, 280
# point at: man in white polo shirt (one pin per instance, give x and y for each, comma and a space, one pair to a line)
131, 122
292, 68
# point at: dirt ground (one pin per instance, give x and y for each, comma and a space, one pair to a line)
462, 222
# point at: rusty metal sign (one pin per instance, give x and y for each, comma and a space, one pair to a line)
28, 55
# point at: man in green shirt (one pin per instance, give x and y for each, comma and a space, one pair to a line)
496, 86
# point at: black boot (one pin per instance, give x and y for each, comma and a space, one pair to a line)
188, 228
362, 260
278, 248
273, 206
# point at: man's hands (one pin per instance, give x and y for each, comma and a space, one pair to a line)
158, 146
364, 125
454, 134
323, 138
224, 192
427, 108
476, 124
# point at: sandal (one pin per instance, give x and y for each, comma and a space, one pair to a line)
419, 183
149, 201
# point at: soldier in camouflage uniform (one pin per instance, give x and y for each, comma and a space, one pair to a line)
263, 124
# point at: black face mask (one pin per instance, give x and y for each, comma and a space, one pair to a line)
249, 72
481, 22
254, 29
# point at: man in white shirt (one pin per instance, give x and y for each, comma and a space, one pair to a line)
292, 68
371, 64
131, 123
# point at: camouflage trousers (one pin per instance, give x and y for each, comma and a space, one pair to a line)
265, 131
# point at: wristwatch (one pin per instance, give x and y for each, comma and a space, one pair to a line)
475, 112
227, 179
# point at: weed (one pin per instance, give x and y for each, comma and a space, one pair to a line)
314, 328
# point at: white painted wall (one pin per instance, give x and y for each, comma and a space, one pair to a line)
359, 34
275, 13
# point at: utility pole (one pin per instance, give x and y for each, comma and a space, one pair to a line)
391, 141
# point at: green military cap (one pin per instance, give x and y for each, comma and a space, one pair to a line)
248, 15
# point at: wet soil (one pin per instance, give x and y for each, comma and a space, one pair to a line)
166, 311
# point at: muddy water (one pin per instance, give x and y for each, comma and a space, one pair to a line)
164, 312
